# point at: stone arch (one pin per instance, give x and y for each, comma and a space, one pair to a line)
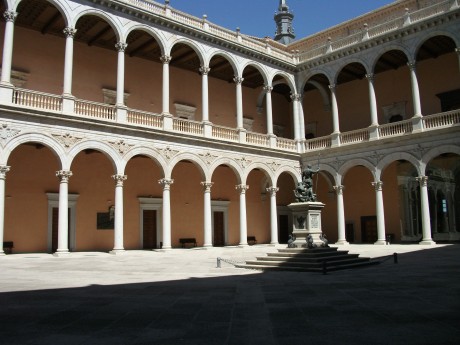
42, 139
262, 167
288, 78
154, 155
191, 44
156, 34
318, 71
231, 60
187, 156
422, 39
105, 149
388, 48
347, 62
232, 164
101, 14
355, 162
433, 153
61, 7
389, 159
258, 67
293, 172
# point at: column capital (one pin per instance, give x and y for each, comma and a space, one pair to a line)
204, 70
119, 179
339, 189
423, 180
377, 185
121, 46
242, 188
166, 183
238, 80
207, 186
69, 32
457, 50
3, 170
64, 175
332, 87
412, 65
166, 59
268, 88
296, 97
272, 190
370, 76
10, 16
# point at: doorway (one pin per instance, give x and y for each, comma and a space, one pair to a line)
369, 229
149, 229
283, 228
218, 229
53, 221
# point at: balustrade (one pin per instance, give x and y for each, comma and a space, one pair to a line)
144, 118
35, 99
96, 110
442, 120
353, 137
257, 139
286, 144
318, 143
395, 129
187, 126
224, 133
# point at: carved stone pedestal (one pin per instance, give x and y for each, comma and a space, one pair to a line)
306, 221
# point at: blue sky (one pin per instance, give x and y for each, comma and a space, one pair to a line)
255, 17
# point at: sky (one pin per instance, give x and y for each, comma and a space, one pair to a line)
255, 17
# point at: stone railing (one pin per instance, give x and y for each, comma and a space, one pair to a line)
35, 99
143, 118
96, 110
105, 112
407, 18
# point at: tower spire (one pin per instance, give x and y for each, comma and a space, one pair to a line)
283, 19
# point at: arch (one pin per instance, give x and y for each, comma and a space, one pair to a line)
262, 167
104, 148
231, 60
318, 71
51, 143
148, 152
61, 7
258, 67
293, 172
150, 31
387, 49
389, 159
355, 162
289, 80
103, 15
191, 157
437, 151
232, 164
191, 44
347, 62
432, 34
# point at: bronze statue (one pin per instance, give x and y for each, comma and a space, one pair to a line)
304, 190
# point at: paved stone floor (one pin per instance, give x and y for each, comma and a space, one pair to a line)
181, 297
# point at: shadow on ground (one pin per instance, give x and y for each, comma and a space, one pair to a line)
414, 302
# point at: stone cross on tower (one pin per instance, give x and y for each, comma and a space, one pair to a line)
283, 19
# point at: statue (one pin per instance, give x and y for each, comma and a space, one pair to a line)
304, 189
291, 241
310, 243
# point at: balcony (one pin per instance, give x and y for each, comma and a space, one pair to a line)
33, 100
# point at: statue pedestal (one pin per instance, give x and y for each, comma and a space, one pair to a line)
306, 221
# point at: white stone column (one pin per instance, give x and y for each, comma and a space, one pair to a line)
372, 100
380, 213
68, 62
426, 226
415, 89
207, 214
165, 59
3, 170
335, 109
295, 109
9, 16
63, 219
340, 215
204, 70
268, 105
243, 223
166, 183
457, 50
301, 118
273, 215
239, 102
118, 231
121, 46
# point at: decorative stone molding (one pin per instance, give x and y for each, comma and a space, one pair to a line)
67, 139
110, 96
419, 151
207, 186
6, 132
272, 190
119, 179
10, 16
268, 88
377, 185
423, 180
242, 188
69, 32
3, 170
165, 59
168, 153
337, 163
185, 111
376, 157
166, 183
296, 97
64, 175
247, 123
397, 108
121, 46
121, 146
273, 165
204, 70
243, 162
238, 80
339, 189
208, 157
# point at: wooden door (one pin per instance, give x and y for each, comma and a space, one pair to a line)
369, 229
55, 227
218, 229
350, 232
149, 229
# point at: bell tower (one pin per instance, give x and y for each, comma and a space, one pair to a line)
283, 19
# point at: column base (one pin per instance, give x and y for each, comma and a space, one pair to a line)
242, 245
2, 253
272, 244
207, 246
61, 253
427, 242
342, 243
380, 242
117, 251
